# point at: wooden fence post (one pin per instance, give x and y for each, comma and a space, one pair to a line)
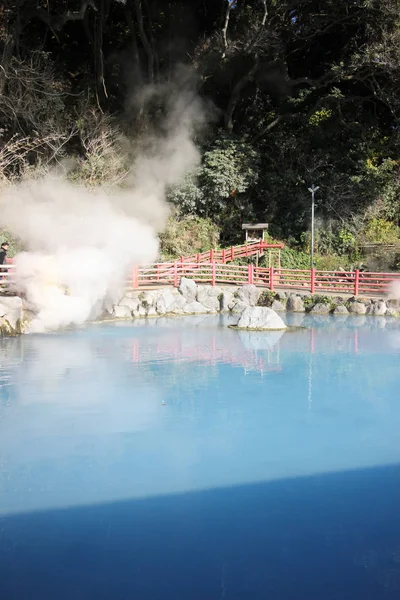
175, 274
250, 274
312, 281
271, 278
232, 252
135, 278
211, 255
214, 274
224, 256
356, 282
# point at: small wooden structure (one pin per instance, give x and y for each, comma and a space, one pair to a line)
257, 231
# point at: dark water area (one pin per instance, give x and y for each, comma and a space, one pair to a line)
180, 459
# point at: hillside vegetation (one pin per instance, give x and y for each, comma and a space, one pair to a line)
299, 92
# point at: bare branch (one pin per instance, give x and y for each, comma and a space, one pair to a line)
225, 28
57, 22
266, 129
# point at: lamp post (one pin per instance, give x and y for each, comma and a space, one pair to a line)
312, 190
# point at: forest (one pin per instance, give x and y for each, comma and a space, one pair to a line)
299, 92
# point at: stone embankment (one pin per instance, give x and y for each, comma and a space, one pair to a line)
10, 315
192, 299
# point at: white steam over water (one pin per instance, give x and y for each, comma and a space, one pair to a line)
395, 290
87, 242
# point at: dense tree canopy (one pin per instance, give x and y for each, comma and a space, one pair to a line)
303, 91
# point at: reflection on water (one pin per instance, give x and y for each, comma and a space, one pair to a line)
243, 447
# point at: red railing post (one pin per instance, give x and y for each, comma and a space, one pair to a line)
223, 256
271, 278
211, 255
312, 281
247, 250
232, 252
198, 258
158, 272
135, 278
214, 274
175, 274
356, 282
250, 274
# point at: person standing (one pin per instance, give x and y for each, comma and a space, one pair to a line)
3, 253
3, 258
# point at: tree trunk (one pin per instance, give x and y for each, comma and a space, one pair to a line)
146, 44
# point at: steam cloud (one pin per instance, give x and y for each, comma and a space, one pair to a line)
87, 242
395, 290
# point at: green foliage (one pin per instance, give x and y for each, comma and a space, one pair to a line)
310, 301
286, 114
292, 258
15, 246
266, 298
380, 231
230, 168
229, 171
187, 236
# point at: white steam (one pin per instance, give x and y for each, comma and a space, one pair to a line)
82, 244
395, 290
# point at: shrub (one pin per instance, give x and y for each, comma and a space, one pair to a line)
187, 236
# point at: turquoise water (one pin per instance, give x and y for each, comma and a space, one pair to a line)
179, 459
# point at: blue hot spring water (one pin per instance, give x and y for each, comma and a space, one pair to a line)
183, 460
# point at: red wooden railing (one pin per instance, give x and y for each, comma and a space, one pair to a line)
353, 283
230, 254
331, 282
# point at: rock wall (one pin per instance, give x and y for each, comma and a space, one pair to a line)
192, 299
10, 315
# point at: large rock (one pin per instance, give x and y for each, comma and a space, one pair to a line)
149, 298
278, 306
11, 311
131, 303
140, 312
132, 294
320, 309
248, 294
209, 297
188, 289
195, 308
165, 301
281, 295
238, 306
226, 300
378, 308
260, 317
393, 303
295, 303
357, 308
122, 312
340, 310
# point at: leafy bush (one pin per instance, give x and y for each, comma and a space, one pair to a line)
380, 231
187, 236
266, 299
229, 170
15, 246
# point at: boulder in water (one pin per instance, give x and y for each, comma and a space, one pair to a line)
260, 318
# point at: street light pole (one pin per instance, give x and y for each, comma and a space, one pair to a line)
312, 190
